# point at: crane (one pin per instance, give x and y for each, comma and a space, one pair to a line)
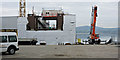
22, 8
93, 38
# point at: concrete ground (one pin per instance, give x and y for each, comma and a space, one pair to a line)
69, 51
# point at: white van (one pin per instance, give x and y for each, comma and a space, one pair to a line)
8, 42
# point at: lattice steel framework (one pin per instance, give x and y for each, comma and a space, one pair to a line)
22, 8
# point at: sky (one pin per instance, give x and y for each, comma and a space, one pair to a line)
107, 10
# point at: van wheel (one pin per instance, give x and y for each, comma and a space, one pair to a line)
11, 50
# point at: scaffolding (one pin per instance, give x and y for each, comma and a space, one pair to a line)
22, 8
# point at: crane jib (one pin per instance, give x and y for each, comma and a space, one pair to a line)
93, 22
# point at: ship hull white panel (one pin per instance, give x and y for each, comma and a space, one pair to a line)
51, 37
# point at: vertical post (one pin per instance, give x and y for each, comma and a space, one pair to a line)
22, 8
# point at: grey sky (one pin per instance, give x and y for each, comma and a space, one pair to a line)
107, 11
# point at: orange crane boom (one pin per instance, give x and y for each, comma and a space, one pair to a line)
93, 35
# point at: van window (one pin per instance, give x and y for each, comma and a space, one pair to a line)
12, 38
3, 38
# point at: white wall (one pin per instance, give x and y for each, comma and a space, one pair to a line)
51, 37
9, 22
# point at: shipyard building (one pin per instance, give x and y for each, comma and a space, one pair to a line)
51, 26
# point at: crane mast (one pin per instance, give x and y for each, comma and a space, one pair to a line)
93, 35
22, 8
